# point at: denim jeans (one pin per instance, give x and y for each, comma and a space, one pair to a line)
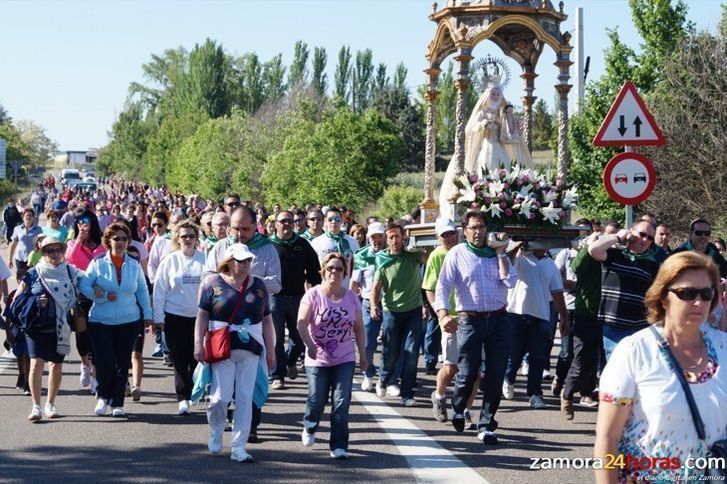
285, 314
432, 341
582, 373
322, 382
532, 335
474, 333
402, 331
372, 328
612, 336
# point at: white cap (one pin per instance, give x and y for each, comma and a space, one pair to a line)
375, 228
443, 225
239, 252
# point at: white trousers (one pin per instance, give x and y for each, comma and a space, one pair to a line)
235, 375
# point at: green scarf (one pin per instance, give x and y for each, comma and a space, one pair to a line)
632, 256
480, 251
307, 235
708, 251
364, 257
383, 258
277, 240
256, 241
168, 235
342, 245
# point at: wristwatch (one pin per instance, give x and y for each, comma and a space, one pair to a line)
501, 256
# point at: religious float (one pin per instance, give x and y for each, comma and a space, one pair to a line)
491, 168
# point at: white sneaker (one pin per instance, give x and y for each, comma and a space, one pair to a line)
50, 410
508, 390
118, 412
380, 390
339, 454
94, 386
525, 368
408, 402
536, 401
35, 414
546, 374
85, 375
367, 384
240, 455
214, 444
393, 391
308, 439
101, 406
183, 408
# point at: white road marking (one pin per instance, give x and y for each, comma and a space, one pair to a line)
7, 360
429, 461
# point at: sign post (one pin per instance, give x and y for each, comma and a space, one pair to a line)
3, 151
629, 178
16, 166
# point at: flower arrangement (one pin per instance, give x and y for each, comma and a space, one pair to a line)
517, 196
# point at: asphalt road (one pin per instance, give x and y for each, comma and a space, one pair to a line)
387, 442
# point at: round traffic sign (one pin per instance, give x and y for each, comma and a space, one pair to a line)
629, 178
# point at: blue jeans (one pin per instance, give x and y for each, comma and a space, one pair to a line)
474, 333
285, 314
402, 331
530, 335
612, 336
322, 382
432, 342
372, 328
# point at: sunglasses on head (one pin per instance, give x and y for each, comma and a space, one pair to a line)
644, 235
702, 233
691, 293
334, 219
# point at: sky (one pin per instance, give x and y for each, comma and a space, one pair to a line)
67, 65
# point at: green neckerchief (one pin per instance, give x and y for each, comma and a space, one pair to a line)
480, 251
342, 245
708, 251
212, 240
364, 257
632, 256
277, 240
383, 258
168, 235
257, 241
308, 235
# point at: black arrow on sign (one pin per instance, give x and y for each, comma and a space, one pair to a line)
622, 125
637, 125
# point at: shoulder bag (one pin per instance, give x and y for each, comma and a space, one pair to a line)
79, 321
217, 344
717, 449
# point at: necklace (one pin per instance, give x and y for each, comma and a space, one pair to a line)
696, 362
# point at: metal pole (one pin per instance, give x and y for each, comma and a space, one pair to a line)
629, 208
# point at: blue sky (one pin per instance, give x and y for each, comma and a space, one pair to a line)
67, 64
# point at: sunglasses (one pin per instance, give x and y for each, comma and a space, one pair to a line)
241, 261
314, 219
120, 239
334, 269
299, 220
644, 235
286, 221
449, 234
232, 204
188, 236
84, 220
52, 251
334, 219
691, 293
702, 233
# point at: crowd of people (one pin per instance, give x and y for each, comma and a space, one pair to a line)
310, 283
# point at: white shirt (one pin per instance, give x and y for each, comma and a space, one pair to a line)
324, 245
177, 285
562, 262
161, 247
537, 280
266, 265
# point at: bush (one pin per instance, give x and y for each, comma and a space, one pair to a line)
399, 200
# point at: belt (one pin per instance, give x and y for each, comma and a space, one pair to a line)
484, 314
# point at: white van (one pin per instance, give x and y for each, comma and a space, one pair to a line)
68, 174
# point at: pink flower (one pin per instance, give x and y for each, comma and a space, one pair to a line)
502, 172
474, 206
501, 196
562, 213
506, 185
473, 178
536, 204
532, 216
536, 185
525, 180
508, 212
559, 181
503, 204
476, 186
487, 200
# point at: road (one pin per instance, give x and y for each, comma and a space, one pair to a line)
387, 442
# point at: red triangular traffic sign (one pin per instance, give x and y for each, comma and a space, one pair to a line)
629, 122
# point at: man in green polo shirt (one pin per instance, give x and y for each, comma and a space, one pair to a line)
397, 273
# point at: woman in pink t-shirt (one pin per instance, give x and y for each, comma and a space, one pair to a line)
328, 320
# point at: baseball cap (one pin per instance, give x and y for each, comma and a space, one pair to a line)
375, 228
239, 252
443, 225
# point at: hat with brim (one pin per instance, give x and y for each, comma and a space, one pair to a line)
238, 252
375, 228
443, 225
48, 241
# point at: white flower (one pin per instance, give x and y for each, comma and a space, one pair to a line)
490, 191
514, 173
550, 213
525, 207
550, 196
495, 209
524, 192
497, 187
467, 194
570, 197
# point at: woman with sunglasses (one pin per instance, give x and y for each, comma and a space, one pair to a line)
50, 288
80, 251
644, 411
116, 285
236, 298
175, 306
329, 320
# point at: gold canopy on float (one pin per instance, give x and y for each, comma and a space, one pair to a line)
521, 28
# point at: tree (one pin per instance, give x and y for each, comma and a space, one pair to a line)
398, 200
395, 105
400, 76
342, 75
4, 116
543, 128
320, 78
381, 81
129, 139
366, 149
38, 148
164, 144
274, 78
252, 80
164, 76
299, 67
362, 80
205, 87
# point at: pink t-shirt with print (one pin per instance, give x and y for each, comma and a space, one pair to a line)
332, 327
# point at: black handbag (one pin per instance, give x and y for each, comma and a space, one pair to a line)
717, 449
